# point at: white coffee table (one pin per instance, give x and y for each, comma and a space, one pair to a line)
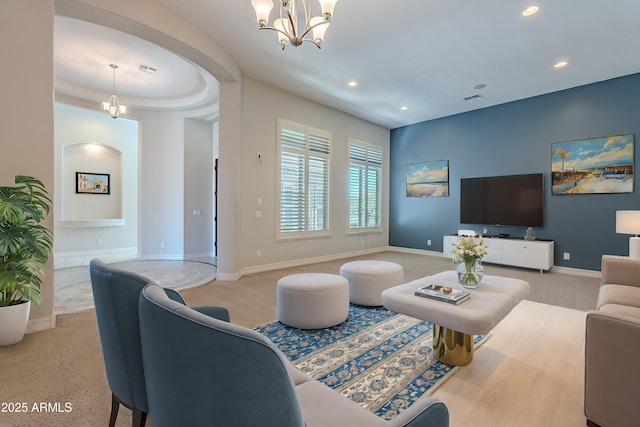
454, 326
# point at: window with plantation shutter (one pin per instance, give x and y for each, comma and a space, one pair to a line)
365, 186
304, 155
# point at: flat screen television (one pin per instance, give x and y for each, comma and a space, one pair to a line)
511, 200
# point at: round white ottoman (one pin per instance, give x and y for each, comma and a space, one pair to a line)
367, 280
313, 300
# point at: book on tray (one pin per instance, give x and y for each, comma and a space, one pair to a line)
443, 293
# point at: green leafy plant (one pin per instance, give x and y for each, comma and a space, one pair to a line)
25, 244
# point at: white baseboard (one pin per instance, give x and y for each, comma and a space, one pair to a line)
414, 251
41, 324
94, 252
188, 257
577, 271
77, 258
163, 257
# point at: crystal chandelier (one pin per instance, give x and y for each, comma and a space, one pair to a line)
113, 106
295, 24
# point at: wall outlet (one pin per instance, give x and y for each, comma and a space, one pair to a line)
428, 242
161, 245
566, 256
258, 253
98, 241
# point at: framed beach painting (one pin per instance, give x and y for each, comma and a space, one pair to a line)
593, 166
428, 179
92, 183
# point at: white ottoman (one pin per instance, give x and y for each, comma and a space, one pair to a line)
367, 280
313, 300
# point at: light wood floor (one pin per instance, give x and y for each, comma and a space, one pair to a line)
528, 373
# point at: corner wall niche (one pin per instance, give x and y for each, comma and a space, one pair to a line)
86, 209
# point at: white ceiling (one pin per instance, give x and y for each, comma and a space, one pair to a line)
84, 51
424, 54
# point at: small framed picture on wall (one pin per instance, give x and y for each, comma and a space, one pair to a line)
92, 183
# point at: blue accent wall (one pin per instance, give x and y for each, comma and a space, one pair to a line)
515, 138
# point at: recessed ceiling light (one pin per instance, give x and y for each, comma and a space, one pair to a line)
531, 10
561, 64
352, 83
404, 108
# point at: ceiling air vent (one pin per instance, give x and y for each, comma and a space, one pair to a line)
474, 98
147, 69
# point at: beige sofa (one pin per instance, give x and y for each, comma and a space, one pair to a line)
612, 348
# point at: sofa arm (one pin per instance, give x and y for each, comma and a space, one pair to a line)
620, 271
612, 370
427, 412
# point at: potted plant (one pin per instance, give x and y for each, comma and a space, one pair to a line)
25, 245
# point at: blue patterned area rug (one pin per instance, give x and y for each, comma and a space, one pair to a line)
379, 359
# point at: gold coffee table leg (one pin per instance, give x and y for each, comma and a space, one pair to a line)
452, 347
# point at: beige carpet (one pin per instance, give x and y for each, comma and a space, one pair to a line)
73, 285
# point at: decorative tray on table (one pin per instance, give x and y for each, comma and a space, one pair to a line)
443, 293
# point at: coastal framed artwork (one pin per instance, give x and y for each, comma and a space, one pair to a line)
593, 166
428, 179
93, 183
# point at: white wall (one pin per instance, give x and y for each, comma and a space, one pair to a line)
161, 185
198, 191
76, 129
26, 122
262, 105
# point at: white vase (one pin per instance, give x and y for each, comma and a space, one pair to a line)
13, 322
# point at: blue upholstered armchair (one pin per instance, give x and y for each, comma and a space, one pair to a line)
116, 293
234, 376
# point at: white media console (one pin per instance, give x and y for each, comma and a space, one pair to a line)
536, 254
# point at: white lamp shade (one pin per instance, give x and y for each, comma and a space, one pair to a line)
283, 25
262, 9
327, 7
319, 29
628, 222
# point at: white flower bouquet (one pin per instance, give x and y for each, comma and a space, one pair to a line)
467, 254
469, 249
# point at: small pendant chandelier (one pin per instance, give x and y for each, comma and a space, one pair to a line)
113, 106
290, 27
